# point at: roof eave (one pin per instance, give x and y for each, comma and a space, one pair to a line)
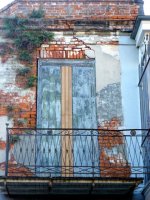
137, 24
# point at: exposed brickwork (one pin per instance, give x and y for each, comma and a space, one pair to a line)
21, 109
112, 164
20, 171
21, 81
90, 27
110, 15
73, 49
2, 145
77, 10
5, 50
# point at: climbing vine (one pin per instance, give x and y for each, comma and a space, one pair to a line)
25, 40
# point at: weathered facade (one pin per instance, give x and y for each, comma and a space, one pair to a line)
86, 76
141, 33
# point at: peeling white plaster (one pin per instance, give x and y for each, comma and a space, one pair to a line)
90, 53
96, 38
3, 155
44, 45
60, 36
91, 39
111, 50
4, 40
56, 34
3, 121
108, 69
8, 72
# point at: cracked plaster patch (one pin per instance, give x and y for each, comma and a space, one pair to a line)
111, 50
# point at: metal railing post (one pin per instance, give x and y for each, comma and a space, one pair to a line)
7, 150
92, 154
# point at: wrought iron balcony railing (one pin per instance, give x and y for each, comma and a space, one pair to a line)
77, 153
144, 63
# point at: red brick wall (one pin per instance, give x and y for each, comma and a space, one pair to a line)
121, 9
112, 164
21, 109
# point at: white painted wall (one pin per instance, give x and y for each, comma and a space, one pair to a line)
107, 65
3, 121
129, 82
129, 89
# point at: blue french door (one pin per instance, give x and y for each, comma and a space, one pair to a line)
84, 143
